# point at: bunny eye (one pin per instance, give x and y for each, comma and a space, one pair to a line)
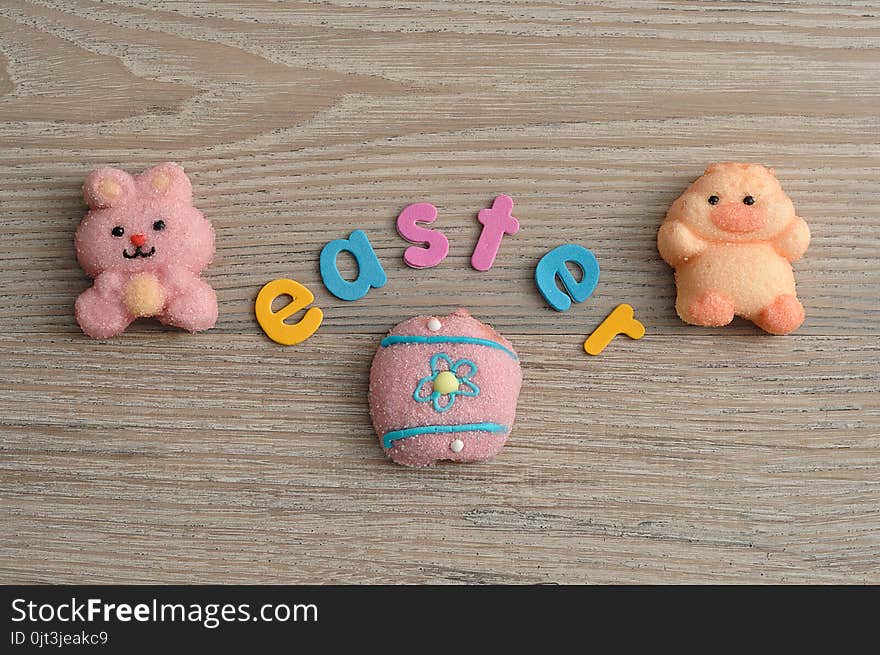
714, 200
117, 231
159, 225
749, 200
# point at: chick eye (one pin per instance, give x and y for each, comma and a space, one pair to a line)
117, 231
749, 200
714, 200
159, 225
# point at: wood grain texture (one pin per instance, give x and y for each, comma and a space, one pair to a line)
692, 455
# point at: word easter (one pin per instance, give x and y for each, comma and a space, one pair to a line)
430, 248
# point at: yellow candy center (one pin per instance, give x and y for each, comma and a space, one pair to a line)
445, 382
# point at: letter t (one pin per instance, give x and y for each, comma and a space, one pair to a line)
496, 222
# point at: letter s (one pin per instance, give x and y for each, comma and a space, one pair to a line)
436, 242
21, 612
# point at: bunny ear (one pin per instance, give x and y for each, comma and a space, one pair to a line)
166, 179
106, 187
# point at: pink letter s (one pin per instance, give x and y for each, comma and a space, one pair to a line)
438, 244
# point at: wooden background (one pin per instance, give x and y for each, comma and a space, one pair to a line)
693, 455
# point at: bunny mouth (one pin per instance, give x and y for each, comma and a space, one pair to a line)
139, 253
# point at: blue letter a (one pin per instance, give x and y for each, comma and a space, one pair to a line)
370, 271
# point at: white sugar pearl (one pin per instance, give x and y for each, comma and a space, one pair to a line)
457, 446
434, 325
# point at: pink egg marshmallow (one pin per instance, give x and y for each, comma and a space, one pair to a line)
145, 245
444, 388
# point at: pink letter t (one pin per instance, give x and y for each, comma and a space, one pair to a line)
496, 223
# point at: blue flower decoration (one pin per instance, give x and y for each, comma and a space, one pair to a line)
448, 380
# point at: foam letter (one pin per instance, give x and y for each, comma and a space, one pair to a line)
273, 322
496, 223
619, 321
438, 244
552, 265
370, 271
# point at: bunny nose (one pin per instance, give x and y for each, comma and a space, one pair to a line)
138, 239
